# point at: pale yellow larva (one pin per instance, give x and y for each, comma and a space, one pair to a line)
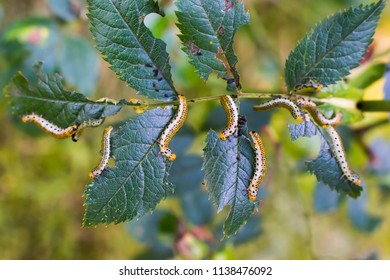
231, 110
172, 128
260, 166
282, 102
340, 155
106, 150
50, 128
318, 117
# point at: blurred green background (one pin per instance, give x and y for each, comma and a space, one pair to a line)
42, 179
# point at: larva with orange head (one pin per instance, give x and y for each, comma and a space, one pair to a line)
260, 166
231, 110
282, 102
172, 128
84, 124
318, 117
312, 86
50, 128
106, 150
339, 153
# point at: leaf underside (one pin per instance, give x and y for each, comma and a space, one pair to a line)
334, 47
128, 45
325, 166
228, 169
139, 179
49, 99
207, 32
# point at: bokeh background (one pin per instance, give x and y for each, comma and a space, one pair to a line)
42, 179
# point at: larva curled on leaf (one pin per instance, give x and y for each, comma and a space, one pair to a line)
106, 151
340, 155
282, 102
231, 110
50, 128
172, 128
311, 87
318, 117
84, 124
260, 166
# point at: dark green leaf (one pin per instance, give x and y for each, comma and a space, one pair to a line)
325, 199
228, 167
334, 47
208, 29
325, 166
127, 44
139, 180
49, 99
360, 218
303, 129
79, 64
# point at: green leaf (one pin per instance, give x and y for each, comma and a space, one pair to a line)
334, 47
228, 167
208, 28
325, 166
127, 44
304, 129
139, 179
49, 99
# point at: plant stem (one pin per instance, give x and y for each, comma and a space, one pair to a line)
365, 106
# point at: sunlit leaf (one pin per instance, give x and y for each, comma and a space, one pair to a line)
334, 47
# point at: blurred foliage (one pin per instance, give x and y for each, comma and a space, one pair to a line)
42, 180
